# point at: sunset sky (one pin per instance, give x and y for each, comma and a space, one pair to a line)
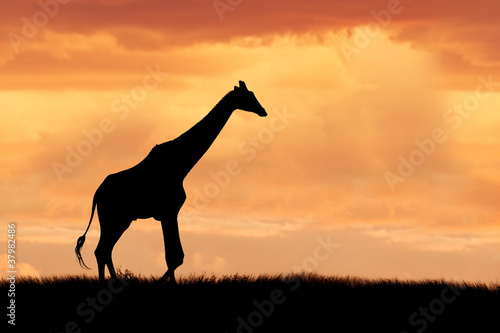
379, 156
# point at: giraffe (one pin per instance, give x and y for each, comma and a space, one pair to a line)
154, 187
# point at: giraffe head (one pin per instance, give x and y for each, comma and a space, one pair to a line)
245, 100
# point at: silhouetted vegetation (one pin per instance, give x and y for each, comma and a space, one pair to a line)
264, 303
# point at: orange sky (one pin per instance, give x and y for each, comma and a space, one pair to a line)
381, 139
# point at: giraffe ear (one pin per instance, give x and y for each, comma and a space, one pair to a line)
236, 88
243, 85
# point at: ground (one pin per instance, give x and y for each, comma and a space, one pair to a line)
237, 303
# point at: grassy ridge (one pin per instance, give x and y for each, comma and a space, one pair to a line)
240, 303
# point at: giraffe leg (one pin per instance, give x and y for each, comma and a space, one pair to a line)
100, 254
174, 255
101, 264
107, 241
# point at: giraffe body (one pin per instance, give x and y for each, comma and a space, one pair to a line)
152, 188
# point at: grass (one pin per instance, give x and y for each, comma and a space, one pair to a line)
265, 303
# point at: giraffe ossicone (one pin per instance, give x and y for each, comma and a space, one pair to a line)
154, 187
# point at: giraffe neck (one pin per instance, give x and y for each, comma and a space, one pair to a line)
195, 142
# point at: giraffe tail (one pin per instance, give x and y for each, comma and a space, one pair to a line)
81, 239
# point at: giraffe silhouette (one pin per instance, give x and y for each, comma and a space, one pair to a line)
153, 188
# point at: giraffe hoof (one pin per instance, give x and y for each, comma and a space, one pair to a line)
168, 278
170, 281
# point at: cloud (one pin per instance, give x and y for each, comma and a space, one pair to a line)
209, 264
441, 242
127, 32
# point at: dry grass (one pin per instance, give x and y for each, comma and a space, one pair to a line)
282, 302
